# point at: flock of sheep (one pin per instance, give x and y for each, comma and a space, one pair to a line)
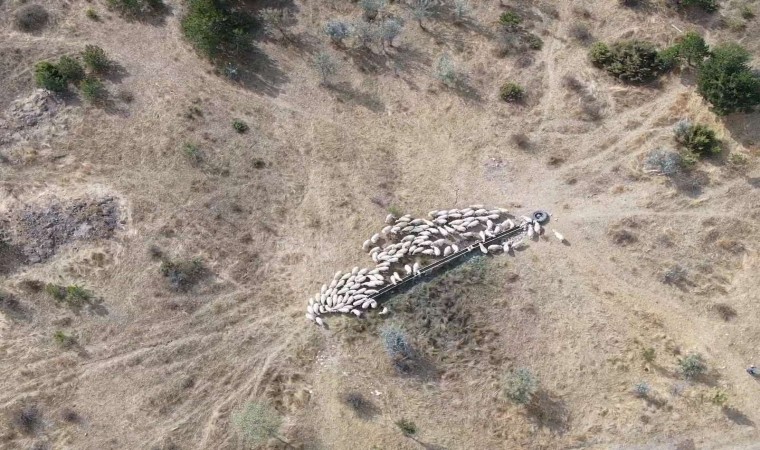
403, 242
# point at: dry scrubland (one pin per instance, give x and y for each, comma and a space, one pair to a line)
157, 262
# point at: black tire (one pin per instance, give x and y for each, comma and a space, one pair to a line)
541, 216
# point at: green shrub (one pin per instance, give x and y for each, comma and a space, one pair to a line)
214, 29
692, 47
697, 138
397, 345
70, 69
407, 427
631, 61
707, 5
73, 295
326, 67
95, 59
445, 71
183, 274
511, 92
534, 42
520, 386
93, 90
31, 17
727, 81
510, 19
64, 340
692, 366
239, 126
92, 14
193, 154
747, 12
136, 8
48, 76
257, 423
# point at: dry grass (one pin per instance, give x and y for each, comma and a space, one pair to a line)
275, 211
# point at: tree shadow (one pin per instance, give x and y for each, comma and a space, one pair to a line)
690, 183
363, 407
549, 412
257, 72
737, 417
115, 73
155, 17
11, 257
347, 94
744, 128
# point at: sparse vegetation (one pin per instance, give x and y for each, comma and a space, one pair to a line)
698, 139
719, 397
510, 19
648, 354
397, 346
73, 295
27, 419
692, 366
520, 386
727, 81
257, 423
706, 5
581, 33
407, 427
631, 61
641, 389
674, 275
389, 30
215, 29
95, 59
192, 153
92, 14
32, 17
272, 20
136, 8
183, 274
511, 92
63, 339
423, 10
462, 10
239, 126
361, 406
371, 8
445, 71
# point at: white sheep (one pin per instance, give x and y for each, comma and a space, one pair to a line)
483, 248
389, 219
559, 236
447, 251
494, 248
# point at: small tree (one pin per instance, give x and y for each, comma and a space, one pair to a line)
93, 90
365, 33
337, 31
510, 19
726, 80
692, 366
423, 10
520, 386
47, 76
631, 61
445, 71
707, 5
70, 69
95, 59
407, 427
697, 138
258, 422
462, 10
389, 30
326, 67
371, 8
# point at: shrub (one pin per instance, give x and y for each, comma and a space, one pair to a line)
719, 397
31, 17
461, 10
214, 29
692, 47
192, 153
371, 8
73, 295
70, 69
511, 92
272, 19
183, 274
697, 138
95, 59
747, 12
707, 5
136, 8
27, 419
390, 29
337, 31
326, 67
674, 275
727, 81
48, 76
239, 126
445, 71
92, 14
365, 33
534, 42
692, 366
64, 340
510, 19
669, 57
407, 427
257, 423
581, 33
631, 3
93, 90
648, 354
663, 162
631, 61
396, 345
641, 389
422, 10
520, 386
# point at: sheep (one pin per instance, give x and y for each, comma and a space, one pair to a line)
455, 216
506, 247
497, 229
493, 216
495, 212
375, 237
490, 233
468, 213
526, 219
531, 232
310, 317
454, 248
362, 272
481, 212
386, 230
407, 229
477, 206
447, 251
345, 309
489, 224
483, 248
407, 238
440, 221
393, 279
494, 248
374, 250
443, 232
373, 304
418, 250
366, 303
509, 224
482, 236
356, 312
428, 252
537, 227
432, 230
384, 311
354, 271
390, 218
416, 268
408, 269
432, 213
482, 219
395, 230
416, 222
472, 224
383, 268
559, 236
459, 228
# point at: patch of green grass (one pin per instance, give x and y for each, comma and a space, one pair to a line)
96, 59
183, 274
193, 153
239, 126
407, 427
64, 340
73, 295
92, 14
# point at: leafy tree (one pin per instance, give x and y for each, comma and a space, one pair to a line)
697, 138
71, 70
214, 29
727, 81
707, 5
95, 58
631, 61
692, 47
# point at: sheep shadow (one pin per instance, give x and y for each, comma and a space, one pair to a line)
737, 417
744, 128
